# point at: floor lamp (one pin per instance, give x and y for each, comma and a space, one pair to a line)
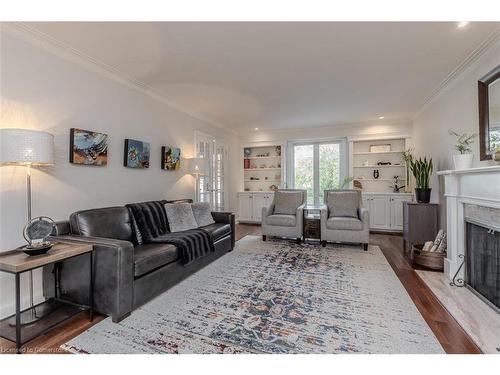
197, 167
29, 148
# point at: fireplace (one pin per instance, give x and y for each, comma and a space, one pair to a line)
482, 273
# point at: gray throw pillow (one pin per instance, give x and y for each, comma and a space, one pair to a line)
202, 214
343, 203
180, 217
287, 202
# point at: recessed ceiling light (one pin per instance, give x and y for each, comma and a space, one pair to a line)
381, 117
462, 24
256, 129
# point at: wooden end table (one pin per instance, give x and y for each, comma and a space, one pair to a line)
312, 222
57, 309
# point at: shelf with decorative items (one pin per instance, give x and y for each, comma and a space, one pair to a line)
262, 167
378, 164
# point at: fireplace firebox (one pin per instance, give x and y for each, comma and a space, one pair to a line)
482, 272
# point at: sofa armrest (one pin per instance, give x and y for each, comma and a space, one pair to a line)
113, 275
227, 218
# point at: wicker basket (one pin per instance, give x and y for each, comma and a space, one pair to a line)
427, 259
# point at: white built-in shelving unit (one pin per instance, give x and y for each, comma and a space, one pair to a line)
385, 206
363, 163
262, 168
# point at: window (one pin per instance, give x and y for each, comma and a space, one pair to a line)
316, 167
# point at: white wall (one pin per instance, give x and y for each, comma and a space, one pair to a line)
456, 107
42, 90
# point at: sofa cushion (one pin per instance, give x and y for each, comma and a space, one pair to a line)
202, 213
151, 256
218, 230
343, 203
287, 202
107, 222
281, 220
180, 217
344, 223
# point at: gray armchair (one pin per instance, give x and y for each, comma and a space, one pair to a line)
343, 219
284, 217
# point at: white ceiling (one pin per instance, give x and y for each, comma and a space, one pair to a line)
281, 75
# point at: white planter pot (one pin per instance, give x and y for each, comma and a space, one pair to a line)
463, 161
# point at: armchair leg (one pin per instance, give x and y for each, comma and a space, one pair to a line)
323, 243
365, 246
264, 237
299, 240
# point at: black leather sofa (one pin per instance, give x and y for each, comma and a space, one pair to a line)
126, 275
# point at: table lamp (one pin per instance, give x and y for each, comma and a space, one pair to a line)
30, 148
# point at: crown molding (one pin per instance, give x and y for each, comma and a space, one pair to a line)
46, 42
468, 61
343, 125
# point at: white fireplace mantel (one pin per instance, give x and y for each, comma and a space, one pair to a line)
477, 186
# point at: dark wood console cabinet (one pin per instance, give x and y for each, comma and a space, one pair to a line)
420, 224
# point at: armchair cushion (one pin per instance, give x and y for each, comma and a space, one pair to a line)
344, 223
202, 213
287, 202
343, 203
281, 220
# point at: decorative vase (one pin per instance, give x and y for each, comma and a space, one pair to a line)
423, 195
496, 155
463, 161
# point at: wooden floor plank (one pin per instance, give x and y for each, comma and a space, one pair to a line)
448, 332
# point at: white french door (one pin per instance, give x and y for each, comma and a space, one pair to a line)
211, 185
316, 166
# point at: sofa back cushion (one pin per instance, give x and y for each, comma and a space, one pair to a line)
343, 203
286, 202
202, 213
180, 217
108, 222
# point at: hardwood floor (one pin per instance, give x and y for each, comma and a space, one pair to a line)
449, 333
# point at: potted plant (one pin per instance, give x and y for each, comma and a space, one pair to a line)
463, 160
422, 170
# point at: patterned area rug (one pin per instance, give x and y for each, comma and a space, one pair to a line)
274, 297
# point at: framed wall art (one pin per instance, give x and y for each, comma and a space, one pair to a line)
88, 147
170, 158
136, 154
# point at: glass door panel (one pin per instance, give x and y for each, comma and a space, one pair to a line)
303, 174
329, 168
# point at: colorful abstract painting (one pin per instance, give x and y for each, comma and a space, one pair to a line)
136, 154
170, 158
88, 147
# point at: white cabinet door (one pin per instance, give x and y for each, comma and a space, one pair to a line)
259, 201
245, 207
397, 211
365, 201
380, 215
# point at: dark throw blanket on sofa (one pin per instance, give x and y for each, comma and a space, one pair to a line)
151, 221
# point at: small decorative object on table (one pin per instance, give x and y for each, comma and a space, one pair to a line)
35, 233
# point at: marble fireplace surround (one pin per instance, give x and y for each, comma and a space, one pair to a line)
470, 193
